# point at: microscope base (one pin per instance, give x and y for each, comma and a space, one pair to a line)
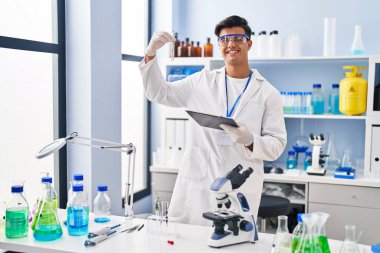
231, 239
317, 172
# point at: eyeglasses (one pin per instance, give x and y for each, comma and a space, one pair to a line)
236, 38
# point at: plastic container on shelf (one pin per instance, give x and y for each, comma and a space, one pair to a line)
17, 214
275, 45
102, 205
252, 53
307, 107
291, 162
318, 99
334, 99
262, 44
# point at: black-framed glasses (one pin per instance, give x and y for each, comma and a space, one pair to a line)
236, 38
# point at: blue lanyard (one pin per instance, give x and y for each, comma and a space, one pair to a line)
229, 114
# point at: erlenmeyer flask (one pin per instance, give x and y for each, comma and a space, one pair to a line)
332, 161
282, 242
350, 244
47, 226
307, 243
346, 160
321, 236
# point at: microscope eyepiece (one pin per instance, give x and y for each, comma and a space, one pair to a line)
247, 172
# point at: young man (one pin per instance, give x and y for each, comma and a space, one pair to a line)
233, 91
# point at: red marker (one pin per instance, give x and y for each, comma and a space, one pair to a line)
171, 242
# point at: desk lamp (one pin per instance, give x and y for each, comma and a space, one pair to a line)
129, 149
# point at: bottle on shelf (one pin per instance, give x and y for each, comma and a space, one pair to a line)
357, 47
77, 212
297, 232
262, 44
187, 48
177, 43
318, 100
308, 159
275, 47
17, 214
334, 99
181, 49
192, 49
291, 162
102, 205
252, 51
282, 239
198, 50
208, 49
46, 223
307, 107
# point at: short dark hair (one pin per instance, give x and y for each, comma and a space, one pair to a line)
233, 21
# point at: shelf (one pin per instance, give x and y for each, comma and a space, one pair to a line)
323, 116
297, 201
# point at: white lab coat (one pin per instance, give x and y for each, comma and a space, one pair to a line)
260, 109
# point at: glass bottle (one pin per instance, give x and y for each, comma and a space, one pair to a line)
46, 222
298, 231
291, 163
46, 186
317, 99
77, 180
180, 49
321, 235
177, 43
357, 47
350, 244
208, 49
77, 212
17, 214
185, 50
198, 50
102, 205
308, 159
282, 240
334, 99
192, 49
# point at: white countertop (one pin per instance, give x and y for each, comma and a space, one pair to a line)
360, 180
188, 239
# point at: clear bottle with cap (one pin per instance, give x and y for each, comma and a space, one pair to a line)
102, 205
77, 212
275, 45
308, 159
357, 47
17, 214
262, 44
291, 162
318, 99
298, 231
46, 222
77, 180
334, 99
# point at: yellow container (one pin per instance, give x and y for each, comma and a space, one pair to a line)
353, 92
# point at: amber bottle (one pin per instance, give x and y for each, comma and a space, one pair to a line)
180, 49
187, 52
177, 43
192, 49
198, 50
208, 50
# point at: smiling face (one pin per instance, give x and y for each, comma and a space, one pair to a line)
233, 53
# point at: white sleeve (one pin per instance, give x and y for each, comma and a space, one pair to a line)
174, 94
272, 142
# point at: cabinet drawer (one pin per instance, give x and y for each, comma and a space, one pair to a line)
365, 219
163, 181
344, 195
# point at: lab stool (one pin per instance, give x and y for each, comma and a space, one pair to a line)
272, 206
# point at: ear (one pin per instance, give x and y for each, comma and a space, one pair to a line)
249, 44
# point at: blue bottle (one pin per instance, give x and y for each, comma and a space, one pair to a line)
307, 161
77, 212
291, 163
334, 99
317, 99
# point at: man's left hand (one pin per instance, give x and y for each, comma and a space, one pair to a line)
239, 134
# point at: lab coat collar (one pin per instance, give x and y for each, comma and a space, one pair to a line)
253, 87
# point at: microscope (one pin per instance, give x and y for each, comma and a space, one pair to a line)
318, 161
233, 213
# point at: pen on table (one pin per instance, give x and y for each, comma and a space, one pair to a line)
140, 227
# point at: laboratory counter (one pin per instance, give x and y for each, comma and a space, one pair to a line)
303, 177
187, 238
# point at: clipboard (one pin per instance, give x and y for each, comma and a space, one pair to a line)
211, 121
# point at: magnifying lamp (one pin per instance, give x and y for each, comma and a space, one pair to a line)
129, 149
